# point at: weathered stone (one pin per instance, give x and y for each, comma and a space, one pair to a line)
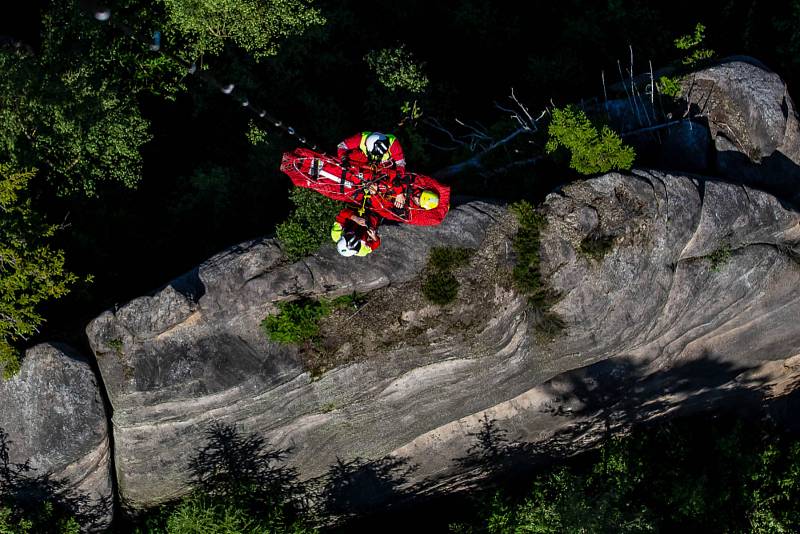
651, 328
753, 124
691, 302
53, 413
167, 382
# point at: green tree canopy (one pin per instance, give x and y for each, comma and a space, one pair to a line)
592, 151
66, 115
254, 25
30, 271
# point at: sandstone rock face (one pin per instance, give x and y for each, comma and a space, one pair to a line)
690, 303
54, 417
695, 303
654, 327
194, 353
753, 124
743, 128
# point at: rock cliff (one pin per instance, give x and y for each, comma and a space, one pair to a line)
654, 317
54, 418
686, 300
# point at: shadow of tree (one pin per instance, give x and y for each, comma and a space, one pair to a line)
588, 404
622, 391
358, 487
241, 467
45, 500
611, 396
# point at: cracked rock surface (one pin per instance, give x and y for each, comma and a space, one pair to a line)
644, 316
752, 123
53, 414
690, 303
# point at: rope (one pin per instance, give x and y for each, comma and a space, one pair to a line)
103, 14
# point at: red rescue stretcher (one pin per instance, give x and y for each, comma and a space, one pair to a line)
325, 175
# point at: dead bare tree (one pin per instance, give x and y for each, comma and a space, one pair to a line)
639, 109
477, 140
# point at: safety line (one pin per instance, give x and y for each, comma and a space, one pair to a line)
104, 15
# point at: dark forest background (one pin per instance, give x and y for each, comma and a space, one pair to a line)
210, 178
205, 187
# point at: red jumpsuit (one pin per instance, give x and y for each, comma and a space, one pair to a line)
354, 149
345, 223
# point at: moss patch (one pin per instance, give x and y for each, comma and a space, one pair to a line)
720, 257
527, 274
440, 285
596, 246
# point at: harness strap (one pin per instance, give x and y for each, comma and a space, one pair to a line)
363, 207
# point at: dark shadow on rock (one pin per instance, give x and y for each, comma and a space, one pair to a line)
493, 452
189, 285
775, 174
29, 495
359, 487
238, 466
590, 404
604, 398
619, 393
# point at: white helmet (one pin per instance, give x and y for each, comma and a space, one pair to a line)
346, 248
377, 144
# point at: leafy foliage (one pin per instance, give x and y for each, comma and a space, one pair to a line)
256, 26
713, 477
669, 86
296, 322
592, 152
720, 257
309, 225
692, 45
396, 69
226, 516
30, 271
440, 285
77, 126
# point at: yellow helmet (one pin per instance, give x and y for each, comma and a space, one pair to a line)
428, 200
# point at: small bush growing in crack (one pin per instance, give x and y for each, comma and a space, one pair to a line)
298, 321
720, 257
546, 323
440, 285
596, 246
527, 275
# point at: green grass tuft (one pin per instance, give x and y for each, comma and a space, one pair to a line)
440, 285
720, 257
298, 321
